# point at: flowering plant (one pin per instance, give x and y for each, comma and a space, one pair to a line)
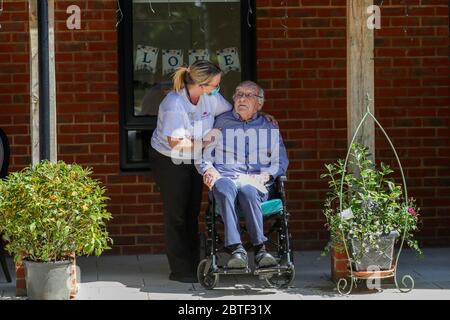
49, 211
374, 204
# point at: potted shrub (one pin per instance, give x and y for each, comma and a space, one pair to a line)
48, 213
374, 215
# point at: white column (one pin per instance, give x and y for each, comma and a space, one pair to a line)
360, 72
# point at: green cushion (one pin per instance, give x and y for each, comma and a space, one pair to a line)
269, 208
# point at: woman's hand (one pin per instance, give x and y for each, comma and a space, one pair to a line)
211, 136
270, 118
210, 177
179, 143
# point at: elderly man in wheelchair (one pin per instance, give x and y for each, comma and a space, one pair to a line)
243, 168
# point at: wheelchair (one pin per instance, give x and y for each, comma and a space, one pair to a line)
276, 218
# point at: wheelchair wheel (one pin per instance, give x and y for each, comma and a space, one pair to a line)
291, 246
283, 280
208, 281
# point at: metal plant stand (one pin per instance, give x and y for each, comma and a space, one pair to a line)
355, 276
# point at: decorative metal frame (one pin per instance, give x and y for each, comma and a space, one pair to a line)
343, 283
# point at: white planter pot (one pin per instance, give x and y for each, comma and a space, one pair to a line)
373, 259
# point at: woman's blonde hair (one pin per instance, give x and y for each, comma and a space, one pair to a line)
200, 72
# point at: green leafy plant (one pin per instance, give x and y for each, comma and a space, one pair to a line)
51, 210
377, 203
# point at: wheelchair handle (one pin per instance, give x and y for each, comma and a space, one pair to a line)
280, 186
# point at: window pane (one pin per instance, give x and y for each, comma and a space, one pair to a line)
138, 144
180, 25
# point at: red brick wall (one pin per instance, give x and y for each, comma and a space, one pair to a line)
305, 77
14, 81
87, 99
88, 123
412, 103
304, 72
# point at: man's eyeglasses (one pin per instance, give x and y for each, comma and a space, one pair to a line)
239, 95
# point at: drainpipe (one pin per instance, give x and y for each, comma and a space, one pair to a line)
44, 81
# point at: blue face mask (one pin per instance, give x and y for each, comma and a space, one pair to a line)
215, 91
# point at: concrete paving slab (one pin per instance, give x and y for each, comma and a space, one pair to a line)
12, 271
433, 275
185, 292
8, 291
122, 294
118, 260
275, 294
442, 285
88, 293
87, 261
87, 276
237, 295
112, 293
119, 269
125, 279
86, 272
119, 283
146, 277
156, 259
155, 281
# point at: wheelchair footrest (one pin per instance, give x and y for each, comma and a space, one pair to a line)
262, 272
231, 271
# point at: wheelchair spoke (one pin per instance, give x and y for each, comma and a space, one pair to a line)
206, 278
282, 280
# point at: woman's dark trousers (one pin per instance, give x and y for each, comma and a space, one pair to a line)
181, 189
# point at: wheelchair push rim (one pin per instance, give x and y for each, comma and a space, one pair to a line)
282, 280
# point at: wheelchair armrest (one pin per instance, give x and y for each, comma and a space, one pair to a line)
282, 179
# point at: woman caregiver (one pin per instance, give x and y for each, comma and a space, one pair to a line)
185, 119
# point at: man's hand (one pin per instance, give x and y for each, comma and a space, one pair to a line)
210, 177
